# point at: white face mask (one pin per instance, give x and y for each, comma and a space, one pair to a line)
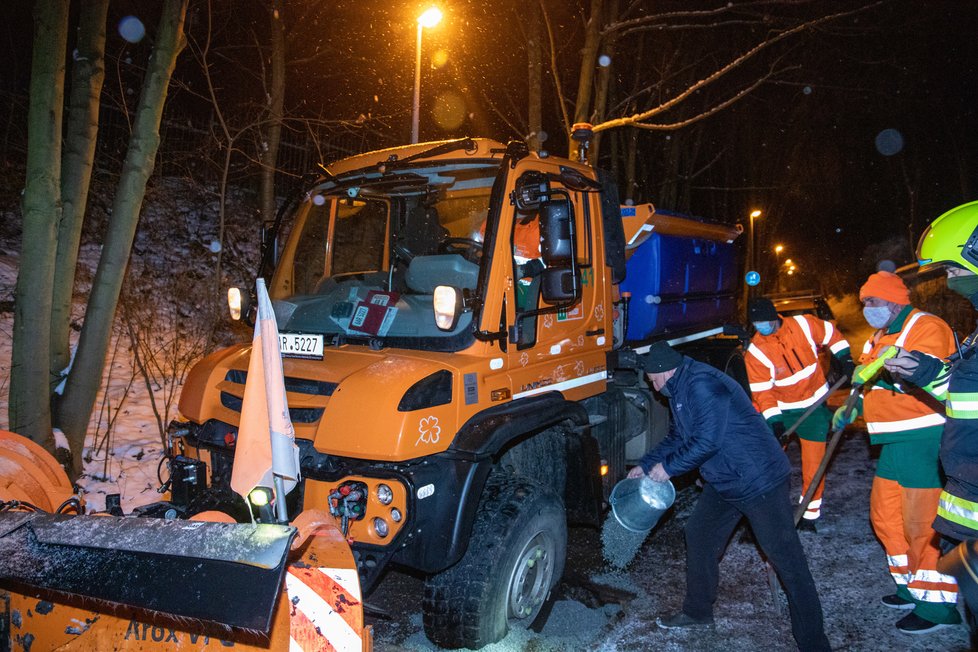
877, 316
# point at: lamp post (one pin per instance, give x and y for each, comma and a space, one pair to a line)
777, 267
429, 18
754, 214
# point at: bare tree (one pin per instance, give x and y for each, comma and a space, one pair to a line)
74, 409
276, 106
53, 179
29, 411
87, 75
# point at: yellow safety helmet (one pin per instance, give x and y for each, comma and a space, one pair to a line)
952, 239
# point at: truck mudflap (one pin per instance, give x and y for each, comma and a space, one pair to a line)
183, 568
206, 591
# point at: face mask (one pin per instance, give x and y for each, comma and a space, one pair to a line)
765, 327
966, 286
877, 316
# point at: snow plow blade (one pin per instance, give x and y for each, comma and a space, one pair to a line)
226, 574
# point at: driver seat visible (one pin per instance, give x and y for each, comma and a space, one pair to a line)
426, 272
423, 232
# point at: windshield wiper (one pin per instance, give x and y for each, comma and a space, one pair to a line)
467, 144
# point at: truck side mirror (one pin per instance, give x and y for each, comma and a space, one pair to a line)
560, 284
532, 190
556, 232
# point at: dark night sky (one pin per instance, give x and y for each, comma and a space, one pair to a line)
802, 147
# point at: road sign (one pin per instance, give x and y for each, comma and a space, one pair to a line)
752, 278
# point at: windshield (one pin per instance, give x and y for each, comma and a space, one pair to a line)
366, 251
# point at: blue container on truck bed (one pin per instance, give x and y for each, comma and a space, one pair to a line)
681, 273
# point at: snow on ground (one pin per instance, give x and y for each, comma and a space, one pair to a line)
174, 299
119, 459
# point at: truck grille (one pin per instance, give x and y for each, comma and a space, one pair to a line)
294, 385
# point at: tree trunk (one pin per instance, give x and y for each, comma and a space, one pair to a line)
75, 408
87, 74
630, 183
604, 80
589, 55
276, 104
534, 65
29, 407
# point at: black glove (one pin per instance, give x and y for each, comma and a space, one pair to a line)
847, 366
778, 428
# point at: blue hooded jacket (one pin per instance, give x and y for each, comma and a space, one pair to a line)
715, 428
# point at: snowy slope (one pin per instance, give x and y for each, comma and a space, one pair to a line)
175, 305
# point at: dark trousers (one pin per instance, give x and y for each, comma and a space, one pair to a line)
770, 516
947, 545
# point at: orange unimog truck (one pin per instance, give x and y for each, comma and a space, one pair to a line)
457, 397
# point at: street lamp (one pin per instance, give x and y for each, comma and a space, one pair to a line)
429, 18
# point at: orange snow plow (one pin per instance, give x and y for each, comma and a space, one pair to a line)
70, 581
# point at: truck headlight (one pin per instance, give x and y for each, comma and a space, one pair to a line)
235, 303
448, 306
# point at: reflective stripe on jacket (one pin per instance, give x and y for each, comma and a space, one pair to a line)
783, 367
895, 410
957, 511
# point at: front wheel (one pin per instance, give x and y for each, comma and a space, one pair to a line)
515, 557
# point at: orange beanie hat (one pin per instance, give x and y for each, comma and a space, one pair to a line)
886, 286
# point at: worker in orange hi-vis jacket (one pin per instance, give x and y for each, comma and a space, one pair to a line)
526, 258
908, 422
786, 380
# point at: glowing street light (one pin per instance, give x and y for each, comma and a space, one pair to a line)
429, 19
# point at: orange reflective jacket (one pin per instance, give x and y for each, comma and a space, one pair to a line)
897, 411
783, 367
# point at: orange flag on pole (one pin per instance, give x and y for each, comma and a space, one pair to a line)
265, 447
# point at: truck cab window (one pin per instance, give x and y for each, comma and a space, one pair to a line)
309, 262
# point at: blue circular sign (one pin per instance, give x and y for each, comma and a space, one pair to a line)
752, 278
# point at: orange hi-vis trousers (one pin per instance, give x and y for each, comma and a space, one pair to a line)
812, 453
902, 519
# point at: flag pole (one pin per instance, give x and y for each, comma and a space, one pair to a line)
281, 512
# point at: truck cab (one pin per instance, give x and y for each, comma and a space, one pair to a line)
457, 397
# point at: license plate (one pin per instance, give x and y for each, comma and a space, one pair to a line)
301, 345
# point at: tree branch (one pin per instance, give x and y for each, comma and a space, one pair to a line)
638, 118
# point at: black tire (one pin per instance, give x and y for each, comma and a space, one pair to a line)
514, 559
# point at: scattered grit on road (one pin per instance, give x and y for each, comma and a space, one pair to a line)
846, 560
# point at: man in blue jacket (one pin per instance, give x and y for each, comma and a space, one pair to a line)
715, 428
